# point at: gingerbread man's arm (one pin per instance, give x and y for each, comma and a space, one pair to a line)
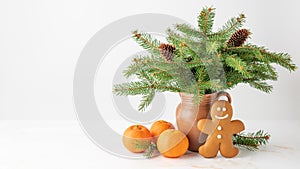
237, 126
206, 126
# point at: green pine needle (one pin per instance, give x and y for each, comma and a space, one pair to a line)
150, 150
190, 32
263, 86
238, 65
146, 100
206, 20
146, 41
132, 88
251, 141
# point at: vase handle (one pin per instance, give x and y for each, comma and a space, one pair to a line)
223, 93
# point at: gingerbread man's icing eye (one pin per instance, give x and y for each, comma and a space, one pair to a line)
218, 108
224, 109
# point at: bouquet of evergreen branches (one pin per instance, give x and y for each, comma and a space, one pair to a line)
199, 61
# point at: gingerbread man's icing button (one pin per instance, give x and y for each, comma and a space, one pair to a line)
219, 136
219, 128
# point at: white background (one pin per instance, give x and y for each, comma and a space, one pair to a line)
41, 40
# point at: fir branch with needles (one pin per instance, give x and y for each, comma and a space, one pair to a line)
150, 150
206, 19
251, 141
199, 61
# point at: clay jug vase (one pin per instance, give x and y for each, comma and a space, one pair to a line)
188, 114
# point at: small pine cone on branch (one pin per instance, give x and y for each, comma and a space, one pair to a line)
167, 51
238, 38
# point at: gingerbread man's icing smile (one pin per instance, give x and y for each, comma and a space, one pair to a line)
221, 117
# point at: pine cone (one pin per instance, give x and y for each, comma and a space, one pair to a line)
166, 51
238, 38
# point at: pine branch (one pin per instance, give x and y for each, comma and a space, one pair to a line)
146, 41
162, 87
233, 77
182, 76
190, 32
146, 76
214, 85
132, 69
246, 52
151, 149
132, 88
188, 48
199, 75
251, 141
233, 25
138, 63
262, 71
260, 85
282, 59
161, 76
206, 19
198, 61
257, 65
185, 45
212, 47
146, 100
271, 70
238, 65
155, 66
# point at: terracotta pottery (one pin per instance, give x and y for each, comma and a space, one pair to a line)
188, 114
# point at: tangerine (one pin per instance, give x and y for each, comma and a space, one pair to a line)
172, 143
137, 138
158, 127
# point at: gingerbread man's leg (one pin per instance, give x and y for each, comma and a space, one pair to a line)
209, 149
228, 150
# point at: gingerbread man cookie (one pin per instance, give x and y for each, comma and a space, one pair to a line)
220, 130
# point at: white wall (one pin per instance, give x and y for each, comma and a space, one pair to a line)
40, 41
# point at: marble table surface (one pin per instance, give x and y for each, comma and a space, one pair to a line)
63, 144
